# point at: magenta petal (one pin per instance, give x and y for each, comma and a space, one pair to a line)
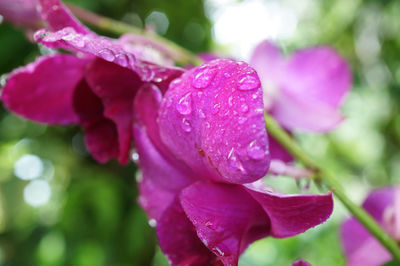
318, 74
20, 12
59, 17
43, 90
178, 239
227, 219
291, 214
316, 81
268, 62
295, 112
162, 176
100, 133
371, 253
102, 47
358, 243
116, 87
212, 119
278, 152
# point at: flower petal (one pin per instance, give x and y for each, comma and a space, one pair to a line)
178, 239
43, 90
162, 176
278, 152
318, 74
100, 133
102, 47
59, 17
20, 12
371, 253
116, 86
291, 214
355, 237
316, 81
226, 218
212, 119
294, 112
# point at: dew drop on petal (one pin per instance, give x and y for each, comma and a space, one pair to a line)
201, 114
215, 108
230, 101
244, 108
184, 106
186, 126
122, 60
234, 162
248, 82
203, 77
107, 54
255, 151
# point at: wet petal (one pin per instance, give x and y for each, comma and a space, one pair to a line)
178, 239
162, 175
59, 17
102, 47
116, 87
43, 90
100, 133
291, 214
227, 219
212, 119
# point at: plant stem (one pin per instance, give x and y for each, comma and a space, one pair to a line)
179, 54
333, 183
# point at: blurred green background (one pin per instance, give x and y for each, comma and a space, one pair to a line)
59, 207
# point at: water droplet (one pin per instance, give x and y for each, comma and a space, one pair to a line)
208, 125
134, 156
255, 151
248, 82
68, 37
186, 126
215, 108
158, 79
241, 120
219, 251
3, 80
107, 54
122, 60
230, 101
184, 105
203, 77
152, 222
234, 161
175, 83
244, 108
201, 114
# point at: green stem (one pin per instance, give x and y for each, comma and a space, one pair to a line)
179, 54
333, 183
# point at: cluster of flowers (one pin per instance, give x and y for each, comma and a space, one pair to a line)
199, 132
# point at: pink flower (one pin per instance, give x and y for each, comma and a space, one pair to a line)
302, 92
360, 247
203, 147
93, 87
